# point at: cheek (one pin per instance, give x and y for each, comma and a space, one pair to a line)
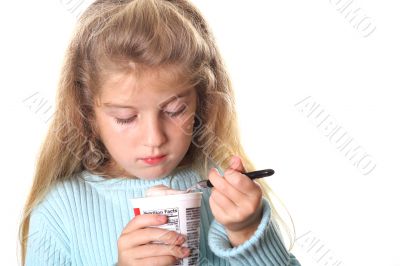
186, 122
104, 128
183, 128
110, 134
180, 137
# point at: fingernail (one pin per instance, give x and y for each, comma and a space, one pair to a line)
234, 161
162, 218
186, 251
216, 171
181, 239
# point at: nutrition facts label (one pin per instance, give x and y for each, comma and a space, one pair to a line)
183, 212
192, 221
192, 226
173, 218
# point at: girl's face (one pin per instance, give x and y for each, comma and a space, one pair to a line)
146, 117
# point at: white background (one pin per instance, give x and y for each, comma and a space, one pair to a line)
278, 53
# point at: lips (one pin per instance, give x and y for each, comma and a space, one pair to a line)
154, 160
153, 157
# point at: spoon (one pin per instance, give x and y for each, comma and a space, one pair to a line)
252, 175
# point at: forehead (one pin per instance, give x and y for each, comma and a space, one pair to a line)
143, 86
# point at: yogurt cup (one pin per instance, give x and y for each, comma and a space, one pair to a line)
183, 212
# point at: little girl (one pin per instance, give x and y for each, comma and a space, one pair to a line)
144, 100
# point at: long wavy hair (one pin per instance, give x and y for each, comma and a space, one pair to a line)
110, 36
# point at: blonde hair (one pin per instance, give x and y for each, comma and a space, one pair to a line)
110, 35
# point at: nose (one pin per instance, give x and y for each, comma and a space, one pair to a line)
154, 133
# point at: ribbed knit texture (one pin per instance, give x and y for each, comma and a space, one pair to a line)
81, 219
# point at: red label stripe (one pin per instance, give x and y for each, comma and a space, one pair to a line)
136, 211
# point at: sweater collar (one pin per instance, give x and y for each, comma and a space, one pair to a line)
177, 179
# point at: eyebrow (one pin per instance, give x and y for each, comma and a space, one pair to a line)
161, 105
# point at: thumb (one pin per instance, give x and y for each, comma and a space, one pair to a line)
236, 164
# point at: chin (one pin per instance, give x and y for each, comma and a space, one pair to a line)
151, 173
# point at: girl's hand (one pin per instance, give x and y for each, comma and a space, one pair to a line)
135, 245
235, 202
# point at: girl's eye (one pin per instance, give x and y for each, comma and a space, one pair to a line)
173, 114
125, 121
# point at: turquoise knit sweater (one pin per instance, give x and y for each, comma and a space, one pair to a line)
80, 221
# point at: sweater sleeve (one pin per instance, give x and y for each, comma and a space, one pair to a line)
45, 246
265, 247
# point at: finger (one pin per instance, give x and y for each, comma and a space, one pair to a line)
151, 250
236, 164
219, 212
234, 175
240, 182
229, 217
144, 220
151, 234
223, 201
223, 186
159, 260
